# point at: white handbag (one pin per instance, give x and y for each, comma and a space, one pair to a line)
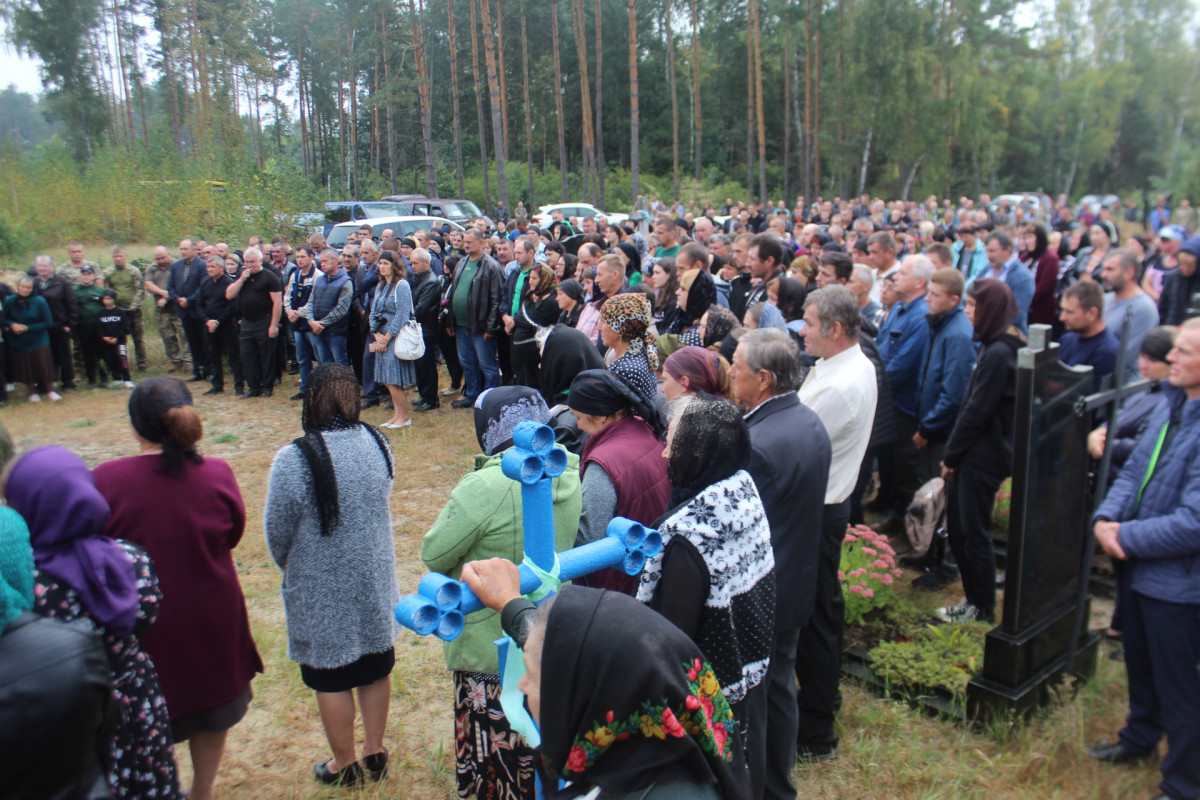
409, 344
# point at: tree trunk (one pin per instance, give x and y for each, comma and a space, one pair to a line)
912, 173
866, 154
669, 36
749, 108
558, 102
345, 178
418, 36
503, 77
787, 110
354, 188
483, 159
458, 154
495, 98
758, 100
389, 118
697, 119
599, 159
809, 187
531, 205
816, 132
634, 121
170, 76
585, 97
307, 162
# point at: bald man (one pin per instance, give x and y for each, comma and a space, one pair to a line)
170, 328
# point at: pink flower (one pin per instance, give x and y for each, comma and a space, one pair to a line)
850, 537
886, 579
897, 572
577, 759
856, 589
671, 725
879, 563
867, 551
858, 573
841, 575
868, 592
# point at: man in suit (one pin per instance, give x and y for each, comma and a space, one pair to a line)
187, 275
790, 467
841, 389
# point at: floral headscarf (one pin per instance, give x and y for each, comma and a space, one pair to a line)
629, 315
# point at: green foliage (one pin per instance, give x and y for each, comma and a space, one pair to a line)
867, 570
939, 656
224, 438
1000, 511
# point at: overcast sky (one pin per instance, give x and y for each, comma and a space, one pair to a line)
16, 70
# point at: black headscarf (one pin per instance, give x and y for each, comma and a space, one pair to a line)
332, 403
499, 411
791, 294
628, 702
995, 308
602, 392
719, 324
701, 294
567, 352
709, 443
148, 402
635, 258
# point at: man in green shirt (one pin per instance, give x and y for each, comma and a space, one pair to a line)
127, 281
475, 304
668, 238
88, 293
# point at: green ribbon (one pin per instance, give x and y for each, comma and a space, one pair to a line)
1158, 446
550, 580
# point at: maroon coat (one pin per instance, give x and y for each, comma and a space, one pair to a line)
634, 461
1043, 309
189, 526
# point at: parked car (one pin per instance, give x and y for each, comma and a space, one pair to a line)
401, 226
544, 218
461, 211
1093, 202
403, 198
351, 210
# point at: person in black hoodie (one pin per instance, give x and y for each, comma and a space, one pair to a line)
220, 326
1180, 285
427, 304
113, 327
979, 452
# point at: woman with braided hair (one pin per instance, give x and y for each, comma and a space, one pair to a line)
329, 526
633, 351
186, 512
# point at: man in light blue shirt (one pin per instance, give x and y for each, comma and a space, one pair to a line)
1005, 266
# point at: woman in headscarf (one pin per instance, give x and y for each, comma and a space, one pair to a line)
695, 294
186, 511
482, 519
84, 574
1102, 235
691, 370
764, 315
56, 699
623, 471
628, 705
715, 576
715, 326
571, 299
633, 260
625, 331
539, 310
329, 526
979, 452
566, 352
391, 309
28, 321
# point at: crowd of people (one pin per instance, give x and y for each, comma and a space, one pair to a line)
743, 385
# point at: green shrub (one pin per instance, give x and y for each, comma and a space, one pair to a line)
939, 656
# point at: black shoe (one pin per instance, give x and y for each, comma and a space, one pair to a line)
808, 754
936, 579
196, 379
267, 392
376, 766
214, 390
297, 396
351, 775
892, 525
423, 406
248, 395
68, 386
370, 402
1117, 753
463, 402
294, 369
880, 505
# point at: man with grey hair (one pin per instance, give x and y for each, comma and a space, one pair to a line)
187, 274
260, 298
841, 390
59, 294
862, 281
902, 340
790, 465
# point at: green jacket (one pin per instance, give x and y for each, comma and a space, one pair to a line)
90, 304
482, 519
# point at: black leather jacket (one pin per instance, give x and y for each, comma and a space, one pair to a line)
56, 710
483, 303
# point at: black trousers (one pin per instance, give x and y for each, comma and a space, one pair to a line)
356, 341
89, 345
427, 375
819, 652
258, 355
448, 346
225, 342
504, 352
860, 487
906, 464
778, 743
972, 496
116, 359
525, 366
195, 332
60, 349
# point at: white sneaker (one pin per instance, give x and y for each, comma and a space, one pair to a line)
129, 384
8, 387
963, 612
35, 398
54, 397
450, 390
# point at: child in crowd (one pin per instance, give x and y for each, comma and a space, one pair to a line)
113, 328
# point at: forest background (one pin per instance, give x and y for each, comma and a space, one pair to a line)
221, 118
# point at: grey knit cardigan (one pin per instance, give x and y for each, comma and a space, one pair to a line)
339, 591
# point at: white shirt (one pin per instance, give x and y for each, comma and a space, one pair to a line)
842, 390
877, 286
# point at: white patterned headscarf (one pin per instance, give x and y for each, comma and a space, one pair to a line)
499, 411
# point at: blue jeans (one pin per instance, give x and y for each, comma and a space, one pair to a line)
305, 353
481, 370
331, 348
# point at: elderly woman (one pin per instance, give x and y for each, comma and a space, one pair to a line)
187, 512
690, 370
83, 574
328, 524
715, 576
566, 352
625, 331
696, 293
979, 452
391, 309
622, 468
482, 519
28, 340
652, 724
539, 310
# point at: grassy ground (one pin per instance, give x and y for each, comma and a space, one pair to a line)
888, 749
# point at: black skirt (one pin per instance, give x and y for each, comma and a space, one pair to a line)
212, 720
363, 672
